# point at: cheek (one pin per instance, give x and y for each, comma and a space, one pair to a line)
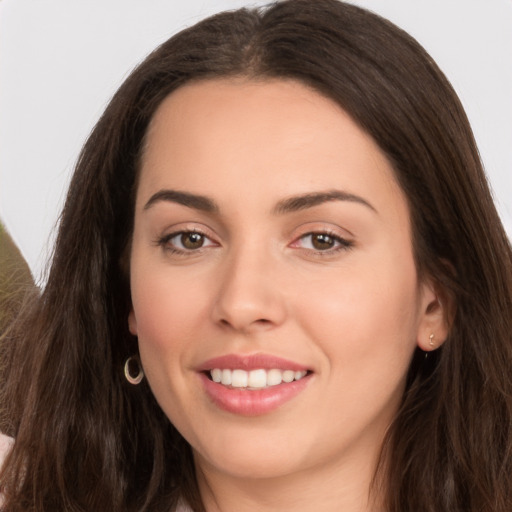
370, 313
168, 315
163, 306
168, 318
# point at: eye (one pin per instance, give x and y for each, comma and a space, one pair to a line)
185, 241
322, 242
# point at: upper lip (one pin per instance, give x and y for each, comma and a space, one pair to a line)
251, 362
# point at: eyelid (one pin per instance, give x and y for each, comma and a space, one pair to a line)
344, 240
329, 228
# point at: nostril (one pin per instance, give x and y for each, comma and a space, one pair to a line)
262, 322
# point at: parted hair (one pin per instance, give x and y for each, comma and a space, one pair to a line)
87, 440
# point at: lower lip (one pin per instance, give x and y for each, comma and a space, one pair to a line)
247, 402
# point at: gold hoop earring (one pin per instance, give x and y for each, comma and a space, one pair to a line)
431, 342
133, 363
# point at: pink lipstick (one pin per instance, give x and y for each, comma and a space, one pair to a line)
254, 384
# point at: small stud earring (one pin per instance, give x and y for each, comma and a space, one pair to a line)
133, 363
431, 342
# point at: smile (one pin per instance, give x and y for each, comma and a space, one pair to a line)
253, 384
255, 379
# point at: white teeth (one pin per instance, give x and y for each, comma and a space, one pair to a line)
288, 375
254, 379
226, 377
257, 379
239, 378
274, 377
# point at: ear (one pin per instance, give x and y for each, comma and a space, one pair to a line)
132, 323
436, 315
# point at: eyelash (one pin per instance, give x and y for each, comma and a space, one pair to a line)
342, 243
165, 240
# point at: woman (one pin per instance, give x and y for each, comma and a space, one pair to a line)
279, 281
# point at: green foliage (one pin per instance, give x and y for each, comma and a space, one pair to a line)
15, 279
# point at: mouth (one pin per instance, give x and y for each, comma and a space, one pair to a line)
254, 379
253, 385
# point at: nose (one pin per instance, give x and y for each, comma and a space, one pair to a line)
249, 297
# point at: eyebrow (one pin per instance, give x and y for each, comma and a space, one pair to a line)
305, 201
288, 205
195, 201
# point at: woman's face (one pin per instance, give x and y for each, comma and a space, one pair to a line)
272, 251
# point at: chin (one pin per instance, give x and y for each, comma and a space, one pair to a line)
252, 457
249, 468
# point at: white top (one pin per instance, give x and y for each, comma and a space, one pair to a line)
5, 446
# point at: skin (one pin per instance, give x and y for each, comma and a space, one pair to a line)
352, 312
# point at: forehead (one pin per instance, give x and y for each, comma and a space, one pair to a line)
267, 137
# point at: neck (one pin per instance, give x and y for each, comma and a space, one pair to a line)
334, 487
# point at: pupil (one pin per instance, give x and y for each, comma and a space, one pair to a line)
322, 241
192, 240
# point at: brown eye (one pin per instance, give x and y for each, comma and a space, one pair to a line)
322, 241
192, 240
185, 242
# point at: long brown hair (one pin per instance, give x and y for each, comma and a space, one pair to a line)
86, 440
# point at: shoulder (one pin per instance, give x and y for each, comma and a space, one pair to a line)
182, 507
5, 446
